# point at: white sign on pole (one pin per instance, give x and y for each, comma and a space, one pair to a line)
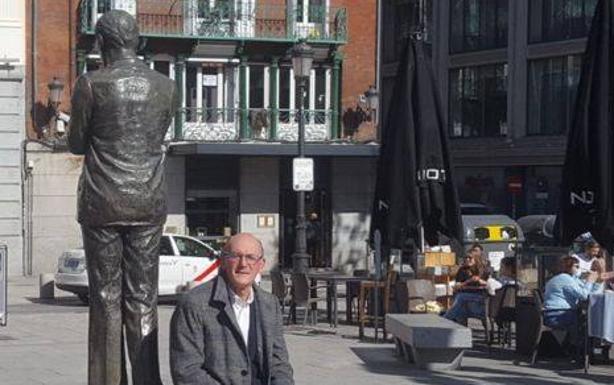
302, 174
209, 80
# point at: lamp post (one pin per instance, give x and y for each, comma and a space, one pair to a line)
56, 125
302, 59
55, 93
372, 102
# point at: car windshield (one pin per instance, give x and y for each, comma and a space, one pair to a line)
191, 248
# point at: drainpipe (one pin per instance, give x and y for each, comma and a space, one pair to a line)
33, 33
378, 74
26, 175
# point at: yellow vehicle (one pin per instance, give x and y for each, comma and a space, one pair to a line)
499, 235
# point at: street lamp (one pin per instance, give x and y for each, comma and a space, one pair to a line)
302, 59
55, 92
372, 102
56, 124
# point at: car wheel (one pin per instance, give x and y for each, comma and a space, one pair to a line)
85, 298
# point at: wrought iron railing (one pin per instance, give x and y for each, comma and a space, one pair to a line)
232, 124
226, 20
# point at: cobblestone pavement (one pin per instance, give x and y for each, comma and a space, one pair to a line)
45, 343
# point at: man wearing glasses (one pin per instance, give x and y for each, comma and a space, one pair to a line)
228, 330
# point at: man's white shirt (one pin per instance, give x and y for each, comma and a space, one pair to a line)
241, 309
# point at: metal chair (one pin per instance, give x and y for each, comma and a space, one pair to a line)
530, 327
302, 296
502, 312
280, 287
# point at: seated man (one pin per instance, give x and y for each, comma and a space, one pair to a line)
228, 330
563, 293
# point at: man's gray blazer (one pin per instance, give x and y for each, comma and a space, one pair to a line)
207, 347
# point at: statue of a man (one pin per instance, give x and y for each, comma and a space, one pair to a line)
120, 115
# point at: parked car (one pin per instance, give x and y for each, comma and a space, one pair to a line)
183, 259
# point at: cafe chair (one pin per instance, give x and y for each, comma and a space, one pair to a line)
531, 329
352, 294
303, 295
413, 295
365, 302
502, 313
486, 320
281, 287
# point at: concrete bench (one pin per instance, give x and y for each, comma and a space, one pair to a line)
428, 340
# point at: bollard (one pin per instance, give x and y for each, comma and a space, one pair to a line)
46, 286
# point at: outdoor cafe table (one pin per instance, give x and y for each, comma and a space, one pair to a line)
601, 316
600, 319
333, 279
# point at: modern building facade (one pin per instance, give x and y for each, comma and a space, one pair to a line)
12, 129
232, 141
507, 72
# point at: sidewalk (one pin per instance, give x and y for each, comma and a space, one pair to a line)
46, 343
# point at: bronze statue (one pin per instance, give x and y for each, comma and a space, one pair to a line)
120, 115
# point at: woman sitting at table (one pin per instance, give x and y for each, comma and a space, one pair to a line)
469, 290
563, 293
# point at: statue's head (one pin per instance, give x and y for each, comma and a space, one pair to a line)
117, 30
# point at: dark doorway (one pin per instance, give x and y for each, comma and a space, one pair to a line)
318, 215
212, 196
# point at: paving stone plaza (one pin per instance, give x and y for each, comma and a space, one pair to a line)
45, 342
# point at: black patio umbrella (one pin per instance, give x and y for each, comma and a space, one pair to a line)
587, 199
415, 188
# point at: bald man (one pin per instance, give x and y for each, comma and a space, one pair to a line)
228, 330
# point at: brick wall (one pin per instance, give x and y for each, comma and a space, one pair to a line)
358, 64
54, 56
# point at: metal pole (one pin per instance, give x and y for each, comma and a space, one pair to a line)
300, 257
378, 276
4, 255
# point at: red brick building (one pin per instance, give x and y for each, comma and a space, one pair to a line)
231, 144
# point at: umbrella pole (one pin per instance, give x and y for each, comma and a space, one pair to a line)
422, 241
378, 269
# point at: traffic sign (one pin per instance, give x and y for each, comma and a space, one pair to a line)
514, 184
302, 174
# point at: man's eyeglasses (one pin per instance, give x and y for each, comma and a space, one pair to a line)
249, 258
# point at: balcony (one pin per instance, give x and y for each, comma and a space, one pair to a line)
267, 125
226, 20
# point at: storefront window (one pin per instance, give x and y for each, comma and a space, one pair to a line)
552, 90
552, 20
478, 101
478, 24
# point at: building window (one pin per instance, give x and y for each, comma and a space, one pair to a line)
400, 20
478, 101
310, 11
552, 90
478, 25
552, 20
256, 86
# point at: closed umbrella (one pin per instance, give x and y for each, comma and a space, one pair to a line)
587, 199
415, 187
